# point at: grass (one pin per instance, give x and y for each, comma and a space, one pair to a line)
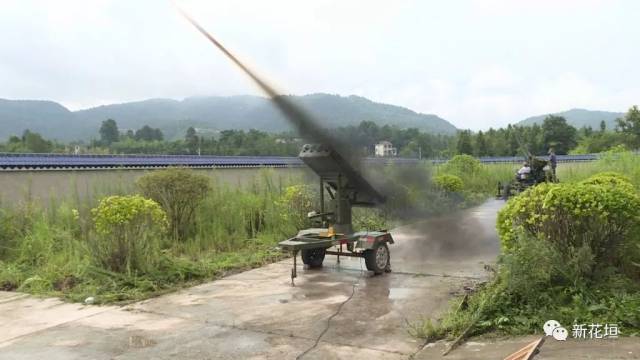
525, 292
480, 181
46, 248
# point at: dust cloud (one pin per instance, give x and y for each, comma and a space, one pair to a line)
461, 239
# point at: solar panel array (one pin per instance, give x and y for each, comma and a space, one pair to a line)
15, 161
43, 161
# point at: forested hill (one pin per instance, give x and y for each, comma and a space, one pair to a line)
46, 117
579, 118
215, 113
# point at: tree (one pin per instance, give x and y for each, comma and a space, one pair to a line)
147, 133
412, 150
630, 124
603, 126
513, 141
34, 142
532, 137
191, 139
158, 135
482, 148
464, 145
179, 192
586, 131
109, 132
558, 134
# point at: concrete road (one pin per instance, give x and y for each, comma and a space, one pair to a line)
338, 312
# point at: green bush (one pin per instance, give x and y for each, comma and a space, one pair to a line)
610, 178
449, 183
462, 165
295, 203
571, 252
129, 230
179, 192
477, 178
369, 219
617, 149
601, 212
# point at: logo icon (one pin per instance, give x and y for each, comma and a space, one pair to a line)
549, 326
553, 328
560, 334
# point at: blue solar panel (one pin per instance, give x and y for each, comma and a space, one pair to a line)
10, 161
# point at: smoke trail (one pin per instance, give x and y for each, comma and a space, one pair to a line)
398, 185
305, 124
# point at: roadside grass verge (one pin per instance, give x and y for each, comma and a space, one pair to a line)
56, 249
479, 181
82, 280
570, 252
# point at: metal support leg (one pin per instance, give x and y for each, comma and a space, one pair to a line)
388, 268
294, 273
339, 252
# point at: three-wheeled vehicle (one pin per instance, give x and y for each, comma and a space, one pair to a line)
540, 171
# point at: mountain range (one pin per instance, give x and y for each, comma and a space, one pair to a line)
173, 117
579, 118
215, 113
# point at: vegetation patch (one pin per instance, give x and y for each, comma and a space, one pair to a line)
120, 248
467, 182
128, 230
570, 252
179, 191
449, 183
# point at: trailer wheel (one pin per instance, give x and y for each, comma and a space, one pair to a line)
377, 259
313, 258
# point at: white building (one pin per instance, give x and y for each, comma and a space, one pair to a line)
385, 149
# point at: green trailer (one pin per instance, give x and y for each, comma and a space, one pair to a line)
344, 187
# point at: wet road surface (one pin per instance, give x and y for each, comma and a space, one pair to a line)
338, 312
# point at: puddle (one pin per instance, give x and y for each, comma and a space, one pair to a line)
399, 293
137, 341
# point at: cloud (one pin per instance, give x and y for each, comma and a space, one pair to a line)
476, 63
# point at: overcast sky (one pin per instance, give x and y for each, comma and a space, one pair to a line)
475, 63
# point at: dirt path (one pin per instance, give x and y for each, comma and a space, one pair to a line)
337, 312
